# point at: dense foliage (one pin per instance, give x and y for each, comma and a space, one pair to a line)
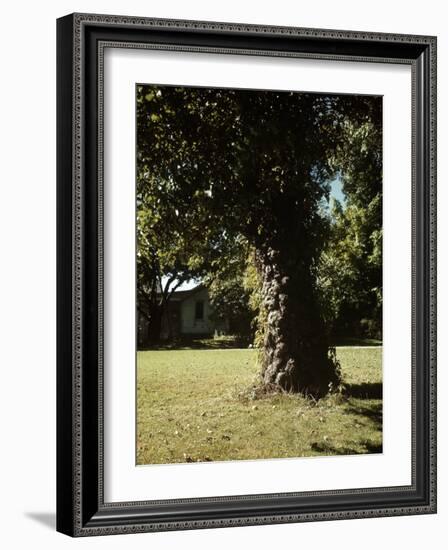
350, 271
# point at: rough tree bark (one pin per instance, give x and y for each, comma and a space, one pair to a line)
296, 356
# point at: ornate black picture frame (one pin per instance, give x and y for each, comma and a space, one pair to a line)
81, 509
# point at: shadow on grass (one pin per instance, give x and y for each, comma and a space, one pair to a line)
326, 448
236, 342
358, 342
200, 343
373, 412
366, 390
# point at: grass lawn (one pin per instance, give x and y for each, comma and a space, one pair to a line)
196, 405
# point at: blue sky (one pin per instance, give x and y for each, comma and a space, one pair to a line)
336, 190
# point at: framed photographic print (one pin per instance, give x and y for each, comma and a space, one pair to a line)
246, 274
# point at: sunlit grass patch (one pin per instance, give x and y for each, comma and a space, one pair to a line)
196, 405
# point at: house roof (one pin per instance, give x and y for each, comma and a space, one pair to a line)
181, 295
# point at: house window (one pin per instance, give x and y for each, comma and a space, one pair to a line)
199, 311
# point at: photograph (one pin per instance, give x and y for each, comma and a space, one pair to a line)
259, 274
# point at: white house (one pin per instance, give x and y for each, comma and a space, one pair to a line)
188, 313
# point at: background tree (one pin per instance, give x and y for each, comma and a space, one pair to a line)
174, 239
167, 256
229, 296
256, 165
350, 272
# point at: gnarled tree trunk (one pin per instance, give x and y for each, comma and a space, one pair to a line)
296, 356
